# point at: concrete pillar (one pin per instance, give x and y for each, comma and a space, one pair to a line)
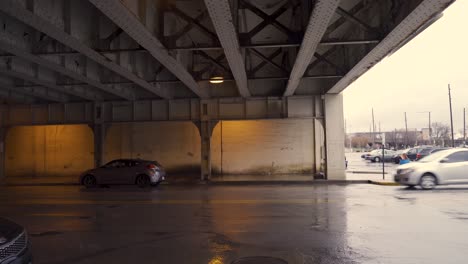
99, 131
319, 144
206, 130
3, 133
334, 137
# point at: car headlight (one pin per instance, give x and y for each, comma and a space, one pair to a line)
406, 171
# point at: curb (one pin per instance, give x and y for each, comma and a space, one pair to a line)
217, 183
384, 183
366, 172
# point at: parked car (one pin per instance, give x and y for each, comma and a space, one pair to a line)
125, 171
428, 151
443, 167
15, 247
413, 153
376, 155
365, 155
396, 158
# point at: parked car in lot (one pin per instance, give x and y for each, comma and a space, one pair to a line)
413, 153
125, 171
396, 157
428, 151
443, 167
14, 243
376, 155
365, 155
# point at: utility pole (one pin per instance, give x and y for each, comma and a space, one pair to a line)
464, 127
451, 116
373, 128
430, 133
406, 132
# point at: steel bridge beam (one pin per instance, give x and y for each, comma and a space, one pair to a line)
124, 19
44, 83
319, 19
15, 97
21, 50
421, 17
45, 95
221, 15
15, 10
238, 108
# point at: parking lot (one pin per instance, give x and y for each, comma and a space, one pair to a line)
356, 223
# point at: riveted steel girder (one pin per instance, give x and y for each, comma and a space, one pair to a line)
44, 83
221, 15
319, 19
420, 17
127, 21
47, 95
21, 49
15, 10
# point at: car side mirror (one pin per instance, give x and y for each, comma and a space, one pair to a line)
444, 160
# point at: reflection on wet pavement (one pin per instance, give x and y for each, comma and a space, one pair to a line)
224, 224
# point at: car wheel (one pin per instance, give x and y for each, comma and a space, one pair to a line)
377, 159
89, 181
428, 181
143, 181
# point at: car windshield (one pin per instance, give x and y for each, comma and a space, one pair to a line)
426, 151
434, 156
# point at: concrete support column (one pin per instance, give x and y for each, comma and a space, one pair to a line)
319, 144
334, 137
206, 130
3, 133
99, 131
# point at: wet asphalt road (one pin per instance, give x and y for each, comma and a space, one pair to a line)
219, 224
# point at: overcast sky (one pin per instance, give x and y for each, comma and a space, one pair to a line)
415, 79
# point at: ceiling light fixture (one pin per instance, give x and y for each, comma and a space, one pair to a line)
216, 79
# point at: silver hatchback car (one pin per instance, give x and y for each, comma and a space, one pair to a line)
125, 171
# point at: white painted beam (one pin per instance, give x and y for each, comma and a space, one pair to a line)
419, 18
15, 10
222, 19
319, 19
127, 21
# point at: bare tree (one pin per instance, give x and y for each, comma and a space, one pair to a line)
440, 133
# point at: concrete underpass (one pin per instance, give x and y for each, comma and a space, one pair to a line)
138, 80
216, 91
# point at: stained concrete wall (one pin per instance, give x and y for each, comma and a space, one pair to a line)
176, 145
247, 147
263, 147
62, 150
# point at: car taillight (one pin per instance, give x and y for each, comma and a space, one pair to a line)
152, 167
418, 156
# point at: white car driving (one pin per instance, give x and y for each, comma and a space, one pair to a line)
444, 167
